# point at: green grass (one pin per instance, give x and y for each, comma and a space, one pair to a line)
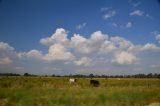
48, 91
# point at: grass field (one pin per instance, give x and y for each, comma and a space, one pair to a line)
56, 91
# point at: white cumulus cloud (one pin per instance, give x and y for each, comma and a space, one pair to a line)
60, 36
5, 61
84, 61
150, 47
97, 52
120, 42
5, 46
98, 36
124, 58
58, 52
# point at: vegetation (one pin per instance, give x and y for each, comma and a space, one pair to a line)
57, 91
150, 75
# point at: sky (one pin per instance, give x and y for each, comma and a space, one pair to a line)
113, 37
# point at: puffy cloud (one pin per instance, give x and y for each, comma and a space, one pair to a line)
80, 44
7, 54
158, 37
58, 52
98, 36
150, 47
86, 46
80, 26
107, 47
120, 42
84, 61
32, 54
77, 52
129, 25
5, 61
60, 36
78, 39
137, 13
5, 46
124, 58
96, 40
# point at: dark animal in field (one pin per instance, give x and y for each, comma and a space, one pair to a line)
94, 83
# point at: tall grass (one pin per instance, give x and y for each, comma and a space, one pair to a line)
48, 91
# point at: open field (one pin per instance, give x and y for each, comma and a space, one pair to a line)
57, 91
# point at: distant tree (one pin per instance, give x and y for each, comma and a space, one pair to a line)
53, 75
91, 75
9, 74
26, 74
149, 75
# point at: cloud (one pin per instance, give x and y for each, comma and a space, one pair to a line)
86, 46
108, 12
120, 42
5, 46
80, 44
115, 44
5, 61
148, 16
7, 53
32, 54
60, 36
103, 9
98, 36
80, 26
134, 4
84, 61
157, 35
99, 51
58, 52
140, 13
107, 47
129, 25
137, 13
149, 47
124, 58
114, 24
78, 39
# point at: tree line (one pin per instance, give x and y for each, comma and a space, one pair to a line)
150, 75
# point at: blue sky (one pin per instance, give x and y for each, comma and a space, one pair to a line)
29, 26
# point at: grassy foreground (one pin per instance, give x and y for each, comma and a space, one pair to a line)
52, 91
